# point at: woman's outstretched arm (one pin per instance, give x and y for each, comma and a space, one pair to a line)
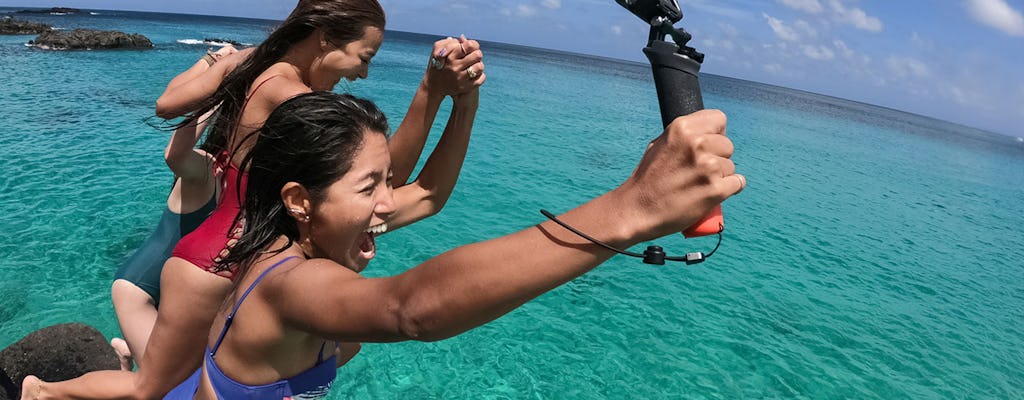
683, 174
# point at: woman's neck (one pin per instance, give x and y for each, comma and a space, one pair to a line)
302, 55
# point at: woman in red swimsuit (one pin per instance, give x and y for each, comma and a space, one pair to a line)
321, 42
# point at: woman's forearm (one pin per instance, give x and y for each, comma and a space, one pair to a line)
198, 68
435, 183
406, 144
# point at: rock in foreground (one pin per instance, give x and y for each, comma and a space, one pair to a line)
55, 353
88, 39
11, 26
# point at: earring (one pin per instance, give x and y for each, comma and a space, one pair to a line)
296, 212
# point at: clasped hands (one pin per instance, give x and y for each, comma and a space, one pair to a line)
455, 67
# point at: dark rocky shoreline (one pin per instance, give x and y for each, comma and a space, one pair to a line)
13, 26
88, 39
54, 10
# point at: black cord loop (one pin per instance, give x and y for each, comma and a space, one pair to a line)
653, 255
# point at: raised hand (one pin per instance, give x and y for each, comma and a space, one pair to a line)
456, 67
684, 173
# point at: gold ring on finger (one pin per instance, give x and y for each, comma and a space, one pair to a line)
472, 73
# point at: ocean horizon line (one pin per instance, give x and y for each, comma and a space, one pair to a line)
623, 61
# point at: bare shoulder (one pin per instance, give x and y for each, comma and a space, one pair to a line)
318, 269
277, 86
313, 277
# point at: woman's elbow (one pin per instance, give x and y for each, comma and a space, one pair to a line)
162, 110
419, 323
166, 110
434, 201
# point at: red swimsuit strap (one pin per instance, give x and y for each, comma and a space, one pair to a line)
228, 152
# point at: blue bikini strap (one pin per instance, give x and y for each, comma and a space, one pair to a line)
231, 317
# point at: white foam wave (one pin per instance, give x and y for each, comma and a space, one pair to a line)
208, 42
93, 13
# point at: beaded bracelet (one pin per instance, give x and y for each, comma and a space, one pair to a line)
208, 57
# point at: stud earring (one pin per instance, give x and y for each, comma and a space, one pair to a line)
297, 212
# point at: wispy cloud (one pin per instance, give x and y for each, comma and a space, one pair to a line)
524, 10
907, 67
552, 4
808, 6
997, 14
805, 27
819, 53
920, 42
773, 68
856, 17
781, 30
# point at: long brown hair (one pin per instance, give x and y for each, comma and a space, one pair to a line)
310, 139
342, 21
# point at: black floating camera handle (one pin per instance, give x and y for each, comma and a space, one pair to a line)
675, 68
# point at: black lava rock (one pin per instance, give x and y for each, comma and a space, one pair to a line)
54, 10
88, 39
55, 353
12, 26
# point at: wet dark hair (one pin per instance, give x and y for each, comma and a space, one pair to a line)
342, 21
310, 139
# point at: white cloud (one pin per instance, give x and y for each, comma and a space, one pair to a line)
997, 14
967, 95
524, 10
856, 17
781, 30
820, 53
806, 28
728, 30
552, 4
849, 54
773, 68
617, 30
726, 44
903, 67
808, 6
845, 51
921, 42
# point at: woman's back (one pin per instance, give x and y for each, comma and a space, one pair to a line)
275, 85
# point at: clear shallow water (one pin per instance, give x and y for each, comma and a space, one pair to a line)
875, 254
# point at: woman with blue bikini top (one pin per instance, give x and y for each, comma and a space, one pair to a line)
319, 192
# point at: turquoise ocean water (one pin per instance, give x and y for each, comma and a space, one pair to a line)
874, 255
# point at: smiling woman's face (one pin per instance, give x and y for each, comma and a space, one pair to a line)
355, 208
350, 61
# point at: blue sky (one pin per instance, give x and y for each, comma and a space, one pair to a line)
957, 60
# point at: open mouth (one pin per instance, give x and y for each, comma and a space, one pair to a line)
368, 247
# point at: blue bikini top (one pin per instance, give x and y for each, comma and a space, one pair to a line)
313, 383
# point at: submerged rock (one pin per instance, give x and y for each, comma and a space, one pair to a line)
88, 39
55, 353
12, 26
